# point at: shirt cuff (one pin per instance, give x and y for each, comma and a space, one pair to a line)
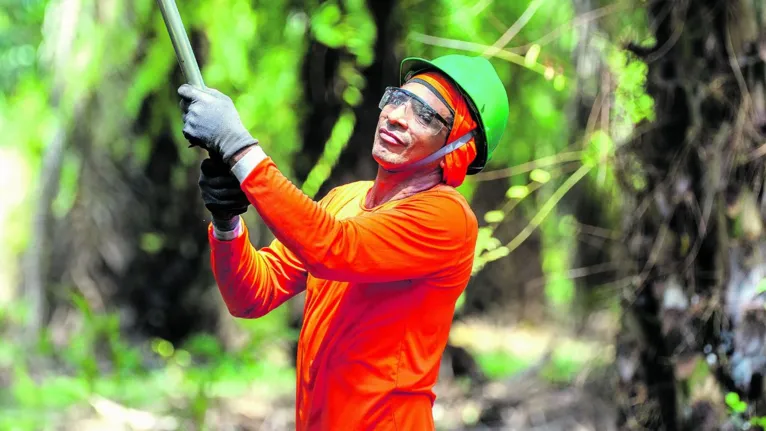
248, 162
228, 235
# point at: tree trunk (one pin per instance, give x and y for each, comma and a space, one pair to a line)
694, 321
36, 258
134, 241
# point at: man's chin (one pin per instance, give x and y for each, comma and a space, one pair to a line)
386, 161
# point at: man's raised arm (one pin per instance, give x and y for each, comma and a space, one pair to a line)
254, 282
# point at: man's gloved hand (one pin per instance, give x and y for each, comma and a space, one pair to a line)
221, 193
212, 122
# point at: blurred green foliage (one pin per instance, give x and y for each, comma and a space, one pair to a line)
157, 376
742, 415
563, 366
120, 53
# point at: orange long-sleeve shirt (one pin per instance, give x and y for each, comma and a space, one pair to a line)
381, 285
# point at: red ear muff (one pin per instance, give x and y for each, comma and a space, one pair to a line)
455, 163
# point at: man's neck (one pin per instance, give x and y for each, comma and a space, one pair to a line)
391, 186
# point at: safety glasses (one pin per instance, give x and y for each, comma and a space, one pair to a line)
425, 116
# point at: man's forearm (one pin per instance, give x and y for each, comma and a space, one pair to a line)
253, 282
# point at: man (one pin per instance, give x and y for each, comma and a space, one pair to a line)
382, 262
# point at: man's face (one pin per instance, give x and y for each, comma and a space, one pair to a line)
401, 137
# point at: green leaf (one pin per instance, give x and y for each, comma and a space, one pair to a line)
599, 146
204, 345
83, 306
325, 25
61, 391
339, 137
517, 192
151, 75
151, 242
700, 373
559, 290
732, 399
182, 358
497, 253
740, 407
559, 82
162, 347
352, 96
761, 286
530, 59
495, 216
24, 388
500, 364
68, 186
544, 109
540, 176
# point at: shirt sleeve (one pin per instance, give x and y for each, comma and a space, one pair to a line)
419, 237
254, 282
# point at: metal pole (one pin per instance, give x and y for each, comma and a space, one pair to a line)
178, 36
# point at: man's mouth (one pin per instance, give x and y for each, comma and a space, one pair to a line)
389, 137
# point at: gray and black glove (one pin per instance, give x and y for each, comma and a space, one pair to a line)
212, 122
222, 194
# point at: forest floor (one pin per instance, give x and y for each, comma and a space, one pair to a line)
536, 379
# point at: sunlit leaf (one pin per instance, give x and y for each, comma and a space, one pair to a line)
162, 347
531, 57
67, 186
517, 192
761, 286
559, 290
559, 82
151, 242
325, 25
352, 96
732, 399
341, 133
497, 253
494, 216
540, 176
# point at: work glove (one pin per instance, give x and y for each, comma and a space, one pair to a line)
221, 193
212, 122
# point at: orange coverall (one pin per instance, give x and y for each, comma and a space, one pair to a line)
381, 285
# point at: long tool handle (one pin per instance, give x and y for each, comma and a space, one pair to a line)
180, 39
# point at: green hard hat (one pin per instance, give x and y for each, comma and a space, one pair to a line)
487, 98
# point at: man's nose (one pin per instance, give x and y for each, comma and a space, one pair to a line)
398, 116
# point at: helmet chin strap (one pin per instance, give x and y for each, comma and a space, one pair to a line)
441, 152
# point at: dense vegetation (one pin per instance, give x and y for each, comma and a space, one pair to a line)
619, 215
